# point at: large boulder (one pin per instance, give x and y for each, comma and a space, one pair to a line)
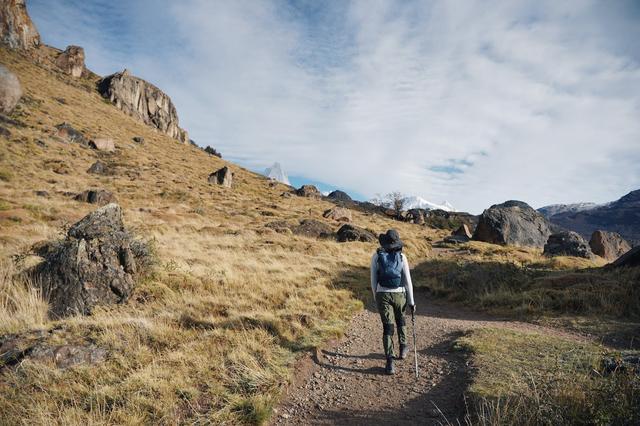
103, 144
513, 223
338, 195
10, 90
17, 31
354, 233
463, 231
308, 191
629, 259
94, 264
609, 245
567, 243
416, 216
143, 100
338, 213
223, 177
71, 61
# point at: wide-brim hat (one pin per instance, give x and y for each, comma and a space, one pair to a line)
390, 240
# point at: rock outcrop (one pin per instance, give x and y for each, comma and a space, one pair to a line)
338, 213
463, 231
10, 90
513, 223
353, 233
308, 191
71, 61
609, 245
96, 196
144, 101
223, 177
313, 228
68, 133
629, 259
93, 265
567, 243
99, 168
17, 31
416, 216
103, 144
338, 195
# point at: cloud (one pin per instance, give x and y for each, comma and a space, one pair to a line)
473, 102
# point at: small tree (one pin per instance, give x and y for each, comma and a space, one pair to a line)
395, 201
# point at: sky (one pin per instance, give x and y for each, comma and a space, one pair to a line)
473, 102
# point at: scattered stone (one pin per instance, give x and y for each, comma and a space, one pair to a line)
223, 177
513, 223
339, 196
609, 245
463, 231
5, 133
41, 143
416, 216
338, 213
354, 233
144, 101
313, 229
567, 243
94, 265
138, 139
10, 89
61, 101
286, 195
17, 31
280, 226
456, 239
308, 191
630, 258
96, 196
71, 61
99, 168
70, 134
44, 194
65, 356
103, 144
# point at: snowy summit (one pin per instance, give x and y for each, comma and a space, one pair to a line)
276, 172
415, 202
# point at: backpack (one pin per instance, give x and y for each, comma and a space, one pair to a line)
390, 269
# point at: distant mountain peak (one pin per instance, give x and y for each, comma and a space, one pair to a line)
416, 202
277, 173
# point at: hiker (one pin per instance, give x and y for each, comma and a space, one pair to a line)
392, 289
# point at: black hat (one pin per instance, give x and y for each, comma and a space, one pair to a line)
390, 241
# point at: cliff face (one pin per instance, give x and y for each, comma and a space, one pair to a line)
144, 101
16, 28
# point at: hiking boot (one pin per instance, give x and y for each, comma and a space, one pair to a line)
390, 369
404, 350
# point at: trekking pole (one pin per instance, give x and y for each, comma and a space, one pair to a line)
415, 348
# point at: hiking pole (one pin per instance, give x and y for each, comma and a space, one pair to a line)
415, 348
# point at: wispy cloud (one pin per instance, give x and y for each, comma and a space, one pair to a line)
474, 102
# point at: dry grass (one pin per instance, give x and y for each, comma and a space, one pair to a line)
21, 304
536, 379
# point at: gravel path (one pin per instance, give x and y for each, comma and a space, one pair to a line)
346, 384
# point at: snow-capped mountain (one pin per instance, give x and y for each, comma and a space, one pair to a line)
554, 209
276, 172
415, 202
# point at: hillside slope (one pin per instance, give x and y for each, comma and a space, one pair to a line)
209, 336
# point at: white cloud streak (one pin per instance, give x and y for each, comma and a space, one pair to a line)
538, 101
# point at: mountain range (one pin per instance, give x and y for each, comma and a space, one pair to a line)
416, 202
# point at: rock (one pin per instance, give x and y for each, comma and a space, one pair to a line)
280, 226
69, 134
42, 193
212, 151
456, 239
65, 356
222, 176
416, 216
144, 101
94, 265
513, 223
609, 245
99, 168
71, 61
17, 31
314, 229
338, 213
308, 191
5, 133
463, 231
339, 196
138, 139
354, 233
567, 243
103, 144
96, 196
10, 90
286, 195
629, 259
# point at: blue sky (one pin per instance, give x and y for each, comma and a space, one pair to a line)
474, 102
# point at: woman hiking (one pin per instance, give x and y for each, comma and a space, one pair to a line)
392, 289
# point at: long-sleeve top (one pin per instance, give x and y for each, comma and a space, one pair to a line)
407, 285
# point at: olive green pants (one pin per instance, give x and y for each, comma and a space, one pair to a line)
391, 307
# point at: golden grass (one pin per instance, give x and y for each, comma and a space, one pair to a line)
21, 304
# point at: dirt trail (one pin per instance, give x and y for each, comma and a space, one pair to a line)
346, 384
